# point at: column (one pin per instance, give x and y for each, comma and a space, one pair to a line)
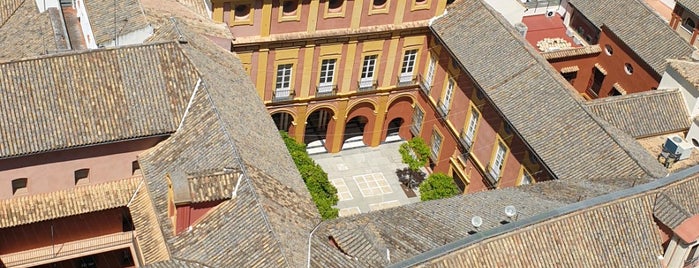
379, 121
336, 135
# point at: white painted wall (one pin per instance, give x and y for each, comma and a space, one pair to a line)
135, 37
512, 10
672, 79
43, 5
88, 36
669, 3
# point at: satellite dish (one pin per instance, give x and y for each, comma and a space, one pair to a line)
510, 211
476, 221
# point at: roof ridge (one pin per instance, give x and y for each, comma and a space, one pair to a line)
636, 95
83, 52
567, 210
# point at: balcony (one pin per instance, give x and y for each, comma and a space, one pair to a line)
324, 91
442, 109
492, 176
425, 86
367, 85
280, 95
406, 79
68, 250
465, 142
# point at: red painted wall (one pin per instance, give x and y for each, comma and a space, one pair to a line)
188, 215
106, 162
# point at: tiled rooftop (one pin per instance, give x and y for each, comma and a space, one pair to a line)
541, 26
655, 42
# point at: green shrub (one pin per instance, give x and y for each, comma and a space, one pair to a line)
324, 194
438, 186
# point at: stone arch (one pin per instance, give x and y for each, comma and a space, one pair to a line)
284, 120
399, 107
361, 103
361, 118
319, 125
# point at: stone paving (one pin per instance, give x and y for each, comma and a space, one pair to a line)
366, 178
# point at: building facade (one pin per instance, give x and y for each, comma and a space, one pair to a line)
335, 74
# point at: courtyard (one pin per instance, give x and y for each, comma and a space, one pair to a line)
366, 178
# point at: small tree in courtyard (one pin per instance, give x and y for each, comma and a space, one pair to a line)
415, 153
438, 186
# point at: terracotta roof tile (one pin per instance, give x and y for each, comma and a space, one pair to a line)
687, 69
691, 5
655, 42
110, 95
78, 200
644, 114
104, 14
502, 63
24, 32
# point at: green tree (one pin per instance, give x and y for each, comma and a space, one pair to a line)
414, 153
324, 194
438, 186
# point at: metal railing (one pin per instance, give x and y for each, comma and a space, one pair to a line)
280, 95
67, 249
415, 129
465, 142
492, 176
326, 91
442, 109
404, 80
370, 85
424, 86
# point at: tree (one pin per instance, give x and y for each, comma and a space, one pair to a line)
415, 154
438, 186
324, 194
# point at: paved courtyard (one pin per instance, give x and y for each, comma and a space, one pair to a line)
366, 178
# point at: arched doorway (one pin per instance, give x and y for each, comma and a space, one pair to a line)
398, 119
317, 125
283, 121
354, 132
393, 131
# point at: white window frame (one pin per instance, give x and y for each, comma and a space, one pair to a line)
446, 99
498, 161
429, 77
366, 79
283, 83
471, 128
436, 144
418, 117
408, 66
326, 75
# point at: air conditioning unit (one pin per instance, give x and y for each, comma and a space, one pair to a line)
550, 13
678, 146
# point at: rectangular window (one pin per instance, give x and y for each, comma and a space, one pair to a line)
498, 160
327, 74
417, 121
471, 128
368, 68
430, 73
19, 186
406, 70
283, 85
446, 100
436, 144
82, 176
